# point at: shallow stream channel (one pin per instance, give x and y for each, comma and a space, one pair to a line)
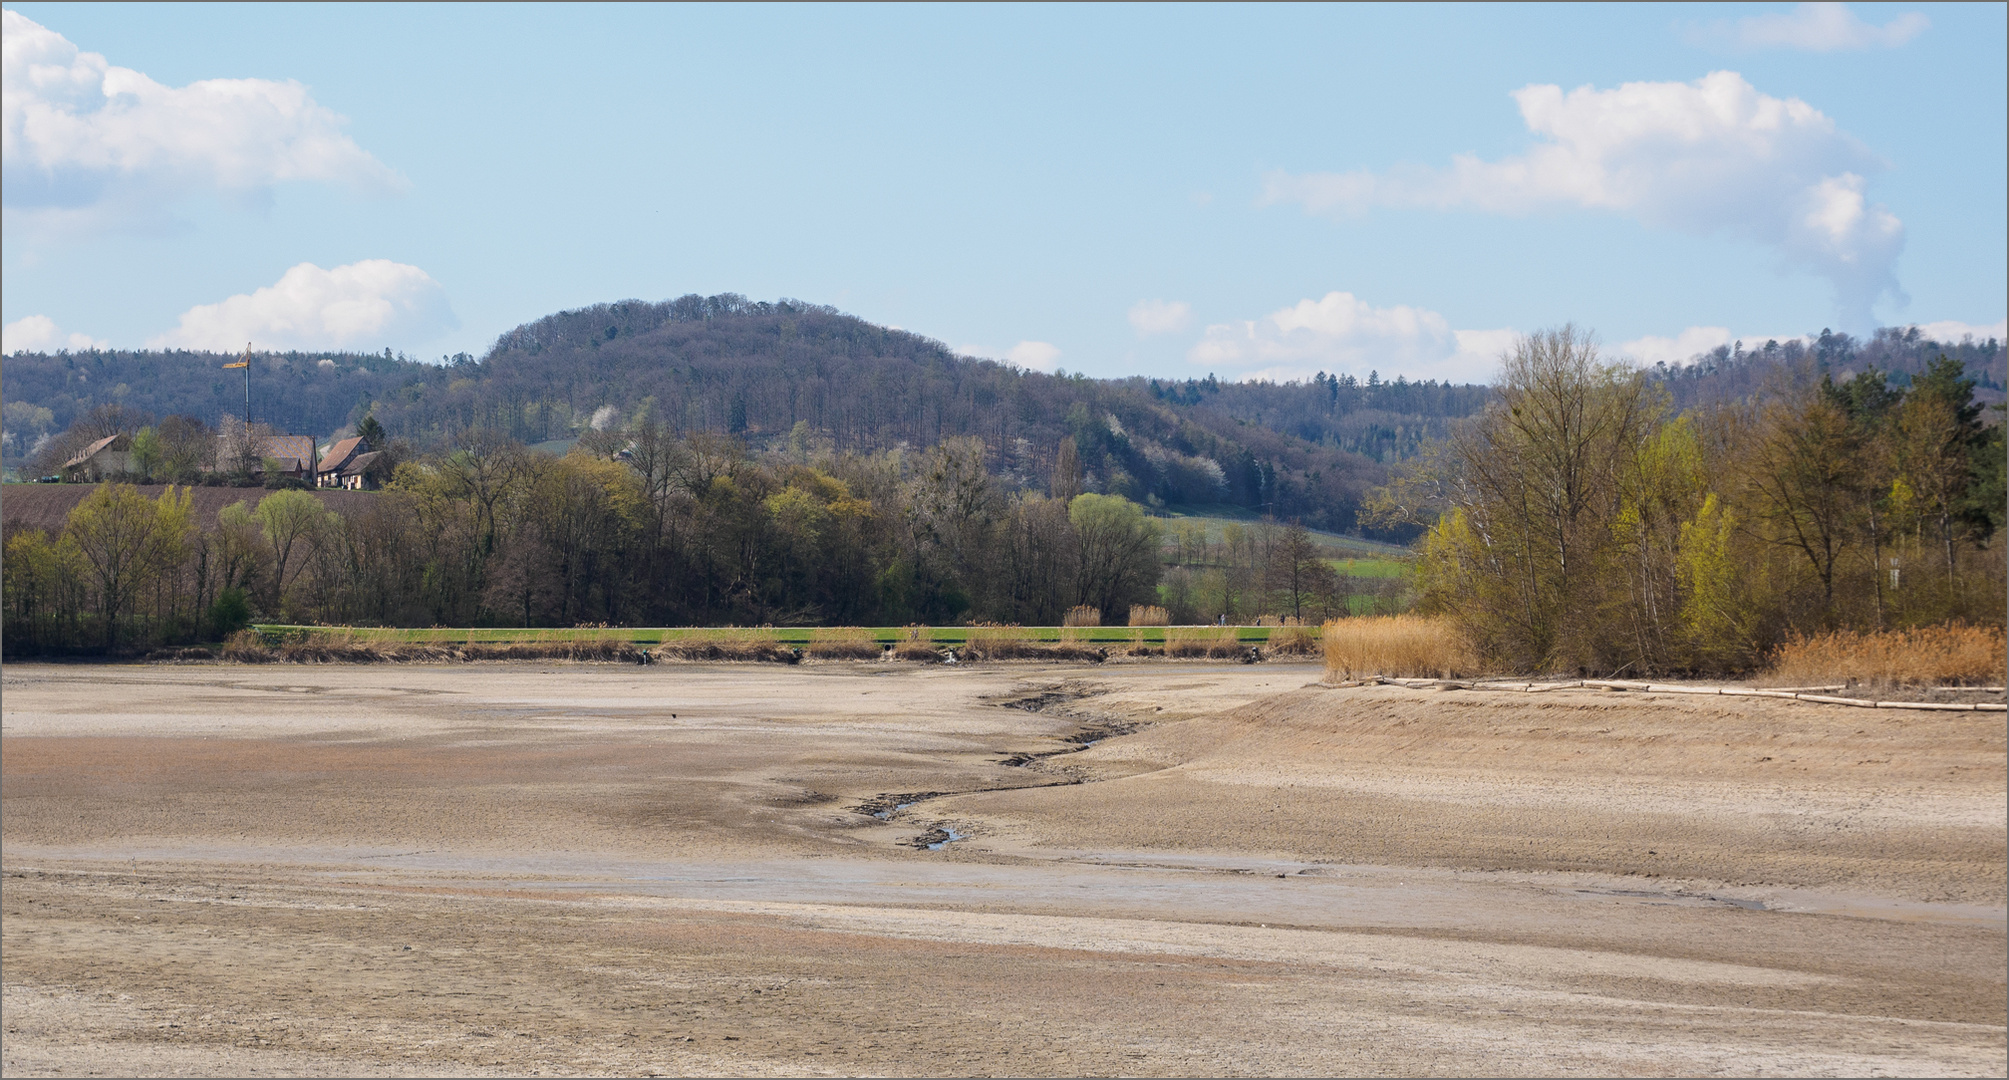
1048, 699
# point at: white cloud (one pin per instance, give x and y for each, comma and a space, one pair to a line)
39, 333
1818, 28
87, 142
1160, 316
1342, 334
1034, 355
1650, 350
1696, 340
1951, 332
1692, 342
368, 304
1713, 156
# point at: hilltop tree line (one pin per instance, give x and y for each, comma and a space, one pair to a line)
1731, 373
768, 373
1582, 523
292, 392
640, 527
765, 373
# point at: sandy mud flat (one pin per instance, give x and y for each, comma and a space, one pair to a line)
840, 869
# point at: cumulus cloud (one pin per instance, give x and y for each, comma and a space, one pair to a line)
1653, 349
1713, 156
1149, 317
1696, 340
366, 304
1825, 27
1949, 331
87, 141
1342, 334
1034, 355
1692, 342
39, 333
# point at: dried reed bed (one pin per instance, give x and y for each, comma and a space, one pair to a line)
844, 643
1924, 656
728, 644
1204, 642
1295, 639
1082, 615
350, 647
1398, 646
1017, 643
1149, 615
917, 645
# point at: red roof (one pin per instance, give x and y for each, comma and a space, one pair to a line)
339, 454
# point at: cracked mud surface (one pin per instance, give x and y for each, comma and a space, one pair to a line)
559, 868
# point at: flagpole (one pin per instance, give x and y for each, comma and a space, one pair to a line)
245, 363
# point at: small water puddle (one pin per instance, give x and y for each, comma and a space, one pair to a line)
882, 815
935, 839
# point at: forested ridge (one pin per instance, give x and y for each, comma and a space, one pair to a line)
787, 373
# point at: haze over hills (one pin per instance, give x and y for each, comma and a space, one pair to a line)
793, 373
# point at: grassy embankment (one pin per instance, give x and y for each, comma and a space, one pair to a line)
790, 636
324, 644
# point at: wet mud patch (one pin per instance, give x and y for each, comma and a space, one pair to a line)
1051, 699
936, 839
885, 806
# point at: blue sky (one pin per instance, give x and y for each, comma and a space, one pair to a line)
1252, 191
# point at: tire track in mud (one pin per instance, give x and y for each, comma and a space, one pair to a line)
1048, 700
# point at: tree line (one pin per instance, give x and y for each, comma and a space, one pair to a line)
636, 527
1581, 523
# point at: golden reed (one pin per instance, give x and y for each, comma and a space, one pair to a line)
1412, 646
1923, 656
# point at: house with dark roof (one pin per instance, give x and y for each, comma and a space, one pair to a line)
287, 455
292, 455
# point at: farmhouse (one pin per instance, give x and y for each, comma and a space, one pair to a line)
108, 457
282, 455
336, 456
291, 455
349, 464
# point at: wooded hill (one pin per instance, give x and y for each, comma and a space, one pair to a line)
787, 374
792, 375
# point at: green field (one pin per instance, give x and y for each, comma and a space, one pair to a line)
1371, 568
784, 635
1337, 545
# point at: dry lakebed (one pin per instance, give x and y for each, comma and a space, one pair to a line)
851, 868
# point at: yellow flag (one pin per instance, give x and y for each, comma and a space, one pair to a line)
240, 363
